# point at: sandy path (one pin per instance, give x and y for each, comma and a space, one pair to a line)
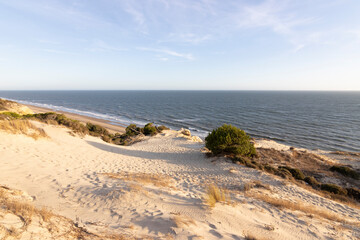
65, 173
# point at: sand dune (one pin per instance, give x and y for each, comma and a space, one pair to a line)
157, 189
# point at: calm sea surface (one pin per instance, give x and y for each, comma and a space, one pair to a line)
313, 120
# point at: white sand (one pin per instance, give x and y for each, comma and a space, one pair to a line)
64, 173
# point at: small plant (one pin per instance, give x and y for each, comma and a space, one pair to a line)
312, 181
150, 129
215, 194
250, 236
333, 188
11, 115
162, 128
182, 221
106, 138
96, 130
132, 130
346, 171
283, 172
228, 139
353, 193
296, 173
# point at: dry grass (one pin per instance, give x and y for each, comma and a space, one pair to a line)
250, 236
182, 221
23, 210
45, 214
215, 194
306, 208
25, 127
58, 227
158, 180
255, 184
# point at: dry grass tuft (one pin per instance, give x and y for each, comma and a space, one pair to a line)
307, 209
255, 184
250, 236
45, 214
57, 225
215, 194
23, 210
25, 127
158, 180
182, 221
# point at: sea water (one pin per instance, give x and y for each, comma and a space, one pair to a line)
313, 120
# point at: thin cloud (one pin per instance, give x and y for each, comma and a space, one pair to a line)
190, 38
186, 56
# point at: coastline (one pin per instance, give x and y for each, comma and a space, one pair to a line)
160, 188
82, 118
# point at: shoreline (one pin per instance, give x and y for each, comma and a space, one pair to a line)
120, 127
82, 118
113, 128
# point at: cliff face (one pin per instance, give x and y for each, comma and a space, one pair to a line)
10, 106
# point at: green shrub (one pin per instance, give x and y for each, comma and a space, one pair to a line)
284, 173
333, 188
296, 173
270, 169
132, 130
106, 138
311, 181
228, 139
96, 130
162, 128
149, 129
12, 115
354, 193
118, 141
74, 125
346, 171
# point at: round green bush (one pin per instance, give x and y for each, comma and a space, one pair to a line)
149, 129
132, 130
334, 189
228, 139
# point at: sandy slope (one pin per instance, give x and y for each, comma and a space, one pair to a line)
66, 174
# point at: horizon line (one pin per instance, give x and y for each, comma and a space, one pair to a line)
209, 90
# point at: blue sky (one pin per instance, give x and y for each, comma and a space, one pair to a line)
180, 44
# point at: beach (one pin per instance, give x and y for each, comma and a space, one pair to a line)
158, 189
107, 124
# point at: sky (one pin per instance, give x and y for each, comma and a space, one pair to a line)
179, 45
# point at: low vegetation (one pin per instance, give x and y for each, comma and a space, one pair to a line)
298, 206
158, 180
133, 133
228, 139
216, 194
232, 142
182, 221
41, 223
18, 126
346, 171
333, 188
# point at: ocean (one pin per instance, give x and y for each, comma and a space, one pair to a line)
313, 120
